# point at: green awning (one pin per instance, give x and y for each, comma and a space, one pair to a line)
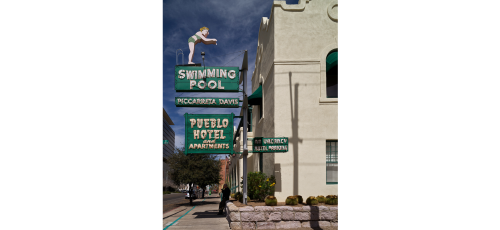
256, 97
332, 60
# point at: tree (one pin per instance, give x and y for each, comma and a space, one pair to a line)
200, 169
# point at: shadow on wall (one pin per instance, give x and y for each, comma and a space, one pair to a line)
277, 174
294, 139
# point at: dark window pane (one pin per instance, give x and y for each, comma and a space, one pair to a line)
332, 83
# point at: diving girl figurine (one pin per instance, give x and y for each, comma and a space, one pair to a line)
200, 36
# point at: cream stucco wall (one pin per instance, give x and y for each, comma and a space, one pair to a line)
290, 65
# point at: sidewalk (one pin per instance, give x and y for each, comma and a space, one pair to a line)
202, 215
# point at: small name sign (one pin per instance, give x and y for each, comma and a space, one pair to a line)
277, 144
207, 102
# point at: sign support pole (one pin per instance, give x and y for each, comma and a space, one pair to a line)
245, 124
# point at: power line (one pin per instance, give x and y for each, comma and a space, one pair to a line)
232, 59
227, 54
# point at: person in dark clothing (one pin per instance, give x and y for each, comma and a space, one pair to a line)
225, 197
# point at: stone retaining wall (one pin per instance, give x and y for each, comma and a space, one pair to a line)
280, 217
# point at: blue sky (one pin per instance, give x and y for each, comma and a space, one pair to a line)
234, 23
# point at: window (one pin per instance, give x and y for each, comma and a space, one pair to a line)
332, 162
332, 86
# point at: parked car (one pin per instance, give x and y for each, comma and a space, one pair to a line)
187, 195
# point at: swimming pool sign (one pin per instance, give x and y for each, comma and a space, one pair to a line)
206, 79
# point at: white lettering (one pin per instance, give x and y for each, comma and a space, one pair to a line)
181, 74
200, 123
232, 74
190, 74
202, 74
199, 84
223, 73
207, 123
212, 86
193, 122
210, 134
210, 73
196, 134
192, 83
225, 122
220, 85
203, 134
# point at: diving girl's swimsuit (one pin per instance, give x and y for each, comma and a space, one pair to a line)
191, 39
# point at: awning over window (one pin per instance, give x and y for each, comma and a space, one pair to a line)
256, 97
332, 60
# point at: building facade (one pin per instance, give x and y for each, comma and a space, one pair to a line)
224, 173
168, 134
296, 75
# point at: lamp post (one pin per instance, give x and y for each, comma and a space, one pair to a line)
203, 57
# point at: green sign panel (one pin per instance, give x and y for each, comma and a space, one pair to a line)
206, 79
207, 102
165, 142
209, 133
270, 145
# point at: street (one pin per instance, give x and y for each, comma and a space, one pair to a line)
174, 200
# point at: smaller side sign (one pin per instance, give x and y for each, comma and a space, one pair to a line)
207, 102
270, 145
165, 142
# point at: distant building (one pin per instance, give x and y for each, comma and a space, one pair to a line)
295, 95
224, 173
168, 134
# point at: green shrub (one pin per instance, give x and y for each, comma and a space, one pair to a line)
331, 199
238, 196
312, 200
271, 201
299, 197
321, 199
232, 195
292, 200
166, 192
259, 185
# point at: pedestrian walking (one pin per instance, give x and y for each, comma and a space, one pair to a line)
225, 197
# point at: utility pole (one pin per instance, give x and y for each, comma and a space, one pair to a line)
244, 68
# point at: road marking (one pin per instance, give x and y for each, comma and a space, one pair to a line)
181, 217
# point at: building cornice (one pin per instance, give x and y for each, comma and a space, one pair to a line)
167, 118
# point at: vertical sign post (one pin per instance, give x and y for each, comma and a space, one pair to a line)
244, 68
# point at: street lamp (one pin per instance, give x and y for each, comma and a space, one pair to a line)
203, 57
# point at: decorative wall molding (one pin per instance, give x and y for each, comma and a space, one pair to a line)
332, 11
